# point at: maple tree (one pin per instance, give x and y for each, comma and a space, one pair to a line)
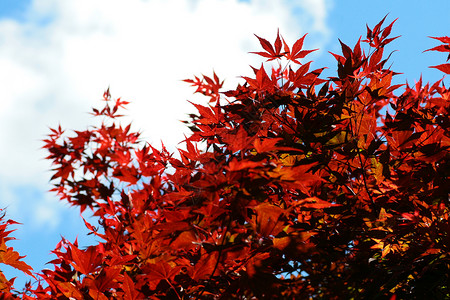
291, 186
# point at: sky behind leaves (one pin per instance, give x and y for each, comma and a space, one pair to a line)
57, 58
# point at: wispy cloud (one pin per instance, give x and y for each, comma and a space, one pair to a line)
56, 63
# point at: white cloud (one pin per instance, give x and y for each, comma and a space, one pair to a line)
56, 64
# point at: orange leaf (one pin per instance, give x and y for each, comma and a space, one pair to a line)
267, 219
316, 203
281, 243
69, 290
96, 294
5, 284
12, 258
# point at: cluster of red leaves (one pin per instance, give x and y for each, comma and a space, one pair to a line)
340, 193
10, 257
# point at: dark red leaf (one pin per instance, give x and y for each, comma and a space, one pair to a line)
444, 68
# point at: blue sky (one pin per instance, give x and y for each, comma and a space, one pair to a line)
57, 57
13, 8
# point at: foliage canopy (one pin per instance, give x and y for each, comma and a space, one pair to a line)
306, 188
